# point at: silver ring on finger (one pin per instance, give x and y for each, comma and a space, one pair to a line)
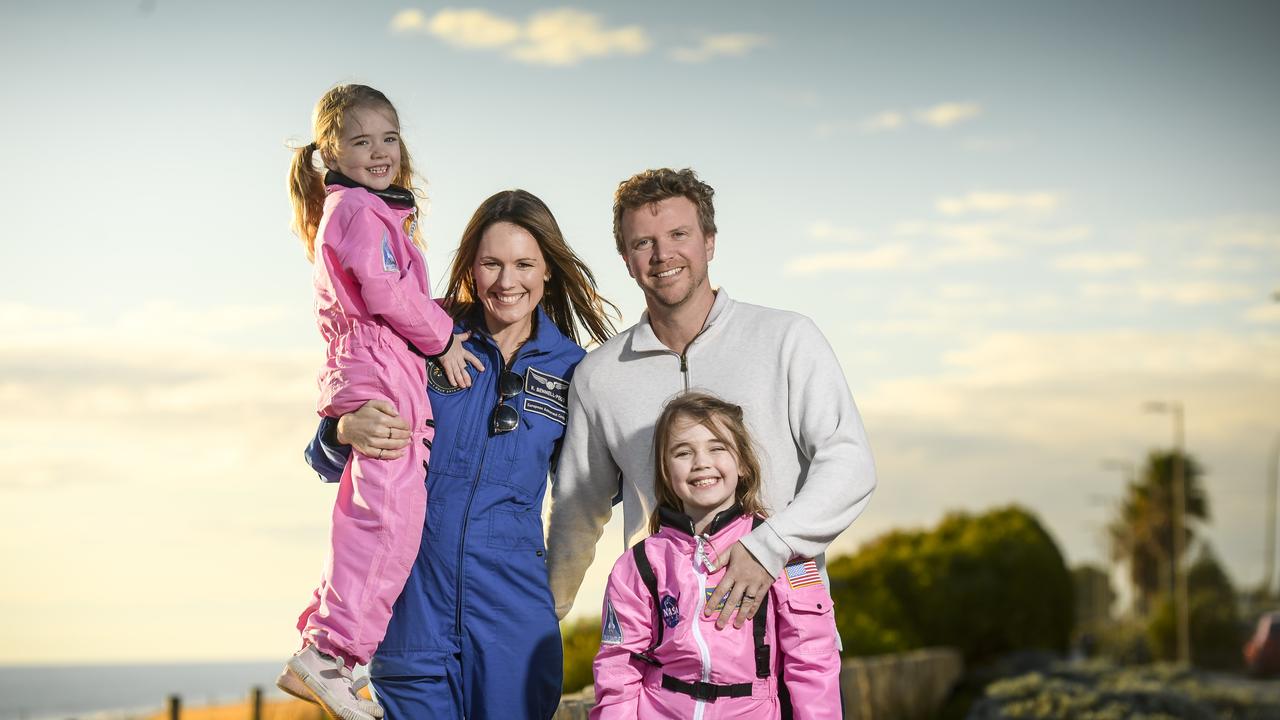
388, 433
749, 596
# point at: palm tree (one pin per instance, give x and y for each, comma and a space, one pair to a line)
1142, 533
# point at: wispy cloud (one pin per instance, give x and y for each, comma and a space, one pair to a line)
1189, 293
827, 231
998, 202
723, 45
879, 258
947, 114
1100, 262
1263, 314
559, 37
940, 116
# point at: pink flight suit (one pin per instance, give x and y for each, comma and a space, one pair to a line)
800, 632
373, 297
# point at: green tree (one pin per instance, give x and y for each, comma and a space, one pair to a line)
1094, 596
1215, 631
580, 640
986, 584
1142, 533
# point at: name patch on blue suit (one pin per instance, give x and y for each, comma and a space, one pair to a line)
547, 386
546, 410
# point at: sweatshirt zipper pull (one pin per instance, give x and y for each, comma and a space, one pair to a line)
701, 553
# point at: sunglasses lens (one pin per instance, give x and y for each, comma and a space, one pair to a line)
509, 384
505, 419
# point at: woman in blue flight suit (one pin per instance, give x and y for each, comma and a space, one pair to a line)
474, 633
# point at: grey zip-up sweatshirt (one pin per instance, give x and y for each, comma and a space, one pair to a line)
817, 466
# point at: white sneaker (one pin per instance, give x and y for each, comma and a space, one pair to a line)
326, 681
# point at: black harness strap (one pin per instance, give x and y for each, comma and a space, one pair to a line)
705, 691
758, 622
651, 582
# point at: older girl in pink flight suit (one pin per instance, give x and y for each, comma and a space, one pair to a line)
659, 658
374, 308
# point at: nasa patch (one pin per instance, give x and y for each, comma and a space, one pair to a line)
438, 381
547, 386
670, 611
388, 257
611, 631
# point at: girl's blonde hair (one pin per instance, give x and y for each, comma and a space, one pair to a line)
306, 181
724, 420
570, 297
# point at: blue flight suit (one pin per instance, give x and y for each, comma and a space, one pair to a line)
474, 633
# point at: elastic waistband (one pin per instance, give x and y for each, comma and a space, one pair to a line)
366, 334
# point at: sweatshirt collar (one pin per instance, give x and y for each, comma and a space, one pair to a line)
645, 340
668, 517
394, 196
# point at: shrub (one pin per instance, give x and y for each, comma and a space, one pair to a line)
580, 639
986, 584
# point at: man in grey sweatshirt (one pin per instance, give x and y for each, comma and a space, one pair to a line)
818, 474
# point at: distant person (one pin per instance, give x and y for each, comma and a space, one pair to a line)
374, 308
817, 471
475, 633
659, 656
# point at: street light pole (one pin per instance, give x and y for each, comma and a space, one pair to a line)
1181, 609
1273, 478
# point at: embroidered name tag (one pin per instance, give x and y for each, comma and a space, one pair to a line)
388, 257
546, 410
547, 386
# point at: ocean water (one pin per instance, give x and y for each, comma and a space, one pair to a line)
108, 692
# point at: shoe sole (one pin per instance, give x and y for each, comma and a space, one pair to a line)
300, 688
292, 684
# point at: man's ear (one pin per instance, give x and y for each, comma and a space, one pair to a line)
711, 246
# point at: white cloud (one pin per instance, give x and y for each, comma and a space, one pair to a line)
1101, 262
947, 114
880, 122
1188, 293
712, 46
566, 36
473, 29
410, 20
559, 37
1264, 314
880, 258
938, 117
998, 202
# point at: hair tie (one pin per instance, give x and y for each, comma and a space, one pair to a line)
312, 147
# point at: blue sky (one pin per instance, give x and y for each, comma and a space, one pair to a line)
1016, 223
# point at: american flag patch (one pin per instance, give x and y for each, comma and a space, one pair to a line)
803, 574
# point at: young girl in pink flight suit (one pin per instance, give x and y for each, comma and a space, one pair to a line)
658, 656
374, 308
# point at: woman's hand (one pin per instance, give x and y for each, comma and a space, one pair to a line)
454, 363
375, 430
